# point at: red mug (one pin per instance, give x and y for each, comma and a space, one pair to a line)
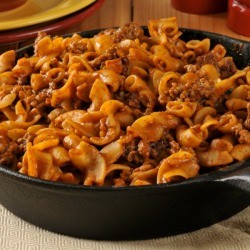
200, 6
244, 2
238, 17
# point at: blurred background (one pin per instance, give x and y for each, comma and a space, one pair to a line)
72, 16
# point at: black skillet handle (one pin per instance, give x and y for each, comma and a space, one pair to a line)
239, 178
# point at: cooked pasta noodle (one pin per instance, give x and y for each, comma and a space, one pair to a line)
123, 108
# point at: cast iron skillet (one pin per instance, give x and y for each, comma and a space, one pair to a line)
127, 213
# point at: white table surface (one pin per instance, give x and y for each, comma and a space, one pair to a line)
233, 233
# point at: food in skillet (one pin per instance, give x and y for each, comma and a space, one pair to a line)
123, 108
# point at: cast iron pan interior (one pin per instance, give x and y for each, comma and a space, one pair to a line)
128, 213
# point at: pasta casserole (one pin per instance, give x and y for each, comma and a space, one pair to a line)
123, 108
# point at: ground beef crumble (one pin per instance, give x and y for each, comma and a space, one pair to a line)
193, 90
241, 133
225, 65
128, 31
247, 121
138, 151
9, 152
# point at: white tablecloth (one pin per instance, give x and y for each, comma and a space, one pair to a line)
233, 233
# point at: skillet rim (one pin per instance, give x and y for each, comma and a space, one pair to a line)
89, 33
213, 176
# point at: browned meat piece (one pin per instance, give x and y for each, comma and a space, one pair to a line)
131, 153
159, 150
212, 57
241, 133
22, 142
137, 151
29, 96
191, 68
9, 152
133, 101
175, 147
119, 182
194, 90
244, 136
227, 67
247, 121
77, 48
237, 128
128, 31
99, 62
209, 58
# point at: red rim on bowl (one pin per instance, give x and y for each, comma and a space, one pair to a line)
20, 35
